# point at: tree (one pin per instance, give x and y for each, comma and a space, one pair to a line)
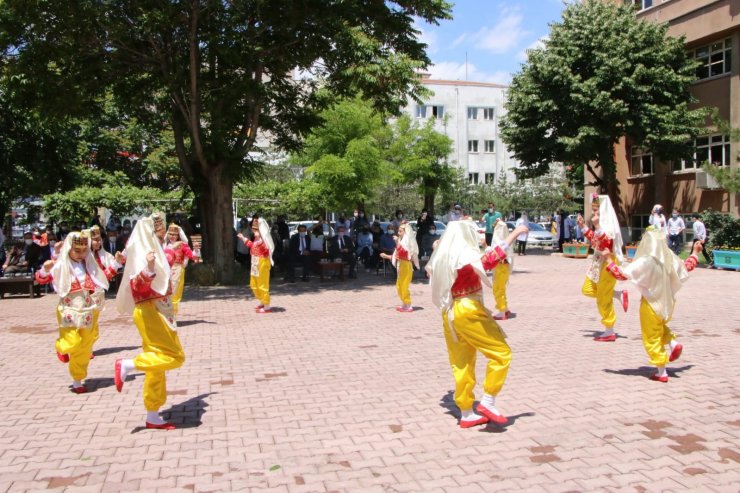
217, 72
727, 177
420, 154
602, 75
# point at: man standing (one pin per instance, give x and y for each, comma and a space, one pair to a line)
299, 253
675, 229
342, 246
700, 235
490, 218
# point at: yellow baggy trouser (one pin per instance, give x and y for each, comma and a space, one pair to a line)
655, 334
475, 330
261, 284
603, 291
405, 271
162, 351
78, 345
179, 288
500, 278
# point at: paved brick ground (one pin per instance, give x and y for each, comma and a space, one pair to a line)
338, 392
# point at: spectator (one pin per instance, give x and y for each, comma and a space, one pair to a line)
675, 232
16, 262
31, 251
427, 245
113, 243
299, 253
281, 233
657, 219
397, 220
700, 235
48, 249
455, 213
114, 223
423, 224
317, 245
365, 249
377, 233
387, 241
242, 250
568, 227
63, 231
342, 246
521, 239
490, 219
359, 222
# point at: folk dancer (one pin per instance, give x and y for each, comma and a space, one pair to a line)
177, 246
145, 292
458, 270
80, 284
260, 249
502, 271
606, 240
406, 252
658, 273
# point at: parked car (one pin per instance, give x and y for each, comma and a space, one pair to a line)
538, 235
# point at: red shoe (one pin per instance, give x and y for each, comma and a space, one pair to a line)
163, 426
407, 309
676, 353
505, 316
493, 418
610, 338
469, 424
92, 355
79, 390
258, 307
625, 300
64, 358
656, 378
117, 376
263, 310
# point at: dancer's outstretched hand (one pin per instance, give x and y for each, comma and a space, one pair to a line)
697, 248
150, 261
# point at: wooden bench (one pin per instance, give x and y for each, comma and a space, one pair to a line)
18, 285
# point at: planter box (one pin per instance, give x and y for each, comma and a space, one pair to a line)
727, 259
630, 252
576, 250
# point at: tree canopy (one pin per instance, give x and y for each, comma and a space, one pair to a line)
601, 75
217, 72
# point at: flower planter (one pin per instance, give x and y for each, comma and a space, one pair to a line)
630, 252
575, 250
727, 259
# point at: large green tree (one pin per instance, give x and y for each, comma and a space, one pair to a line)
601, 75
218, 72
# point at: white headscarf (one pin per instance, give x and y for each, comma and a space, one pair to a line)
457, 248
62, 273
658, 272
609, 225
500, 233
183, 236
408, 243
142, 241
264, 230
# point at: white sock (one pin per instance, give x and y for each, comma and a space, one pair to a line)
266, 307
470, 415
489, 402
662, 371
77, 384
608, 332
127, 366
673, 344
154, 418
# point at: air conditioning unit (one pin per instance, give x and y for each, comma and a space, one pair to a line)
705, 180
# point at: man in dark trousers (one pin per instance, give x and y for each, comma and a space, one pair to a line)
299, 253
342, 246
113, 243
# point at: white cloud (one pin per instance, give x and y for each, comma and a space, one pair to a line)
459, 40
504, 36
457, 71
538, 43
430, 38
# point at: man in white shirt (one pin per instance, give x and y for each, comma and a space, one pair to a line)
700, 235
675, 229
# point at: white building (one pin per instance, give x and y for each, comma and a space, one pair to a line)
469, 113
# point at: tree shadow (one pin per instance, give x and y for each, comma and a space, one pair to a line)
112, 350
448, 402
185, 323
648, 371
187, 414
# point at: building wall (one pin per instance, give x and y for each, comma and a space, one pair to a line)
456, 97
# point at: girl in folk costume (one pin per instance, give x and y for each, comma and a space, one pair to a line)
177, 247
606, 240
81, 285
502, 271
658, 273
458, 271
260, 249
406, 252
145, 292
108, 263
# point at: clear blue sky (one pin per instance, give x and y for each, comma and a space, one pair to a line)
494, 33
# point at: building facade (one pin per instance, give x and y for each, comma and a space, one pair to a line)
468, 113
712, 34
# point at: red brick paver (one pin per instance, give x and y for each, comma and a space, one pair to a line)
336, 391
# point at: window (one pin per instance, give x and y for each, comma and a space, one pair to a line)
490, 178
714, 59
438, 111
712, 149
489, 146
488, 113
641, 4
421, 111
473, 178
641, 162
472, 113
472, 146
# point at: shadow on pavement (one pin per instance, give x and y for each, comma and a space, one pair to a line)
448, 402
184, 415
185, 323
95, 384
647, 371
595, 333
111, 350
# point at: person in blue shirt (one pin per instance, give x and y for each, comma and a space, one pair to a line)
490, 218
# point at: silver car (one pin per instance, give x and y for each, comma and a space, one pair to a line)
538, 236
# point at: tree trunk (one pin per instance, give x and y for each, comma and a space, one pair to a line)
430, 192
217, 218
